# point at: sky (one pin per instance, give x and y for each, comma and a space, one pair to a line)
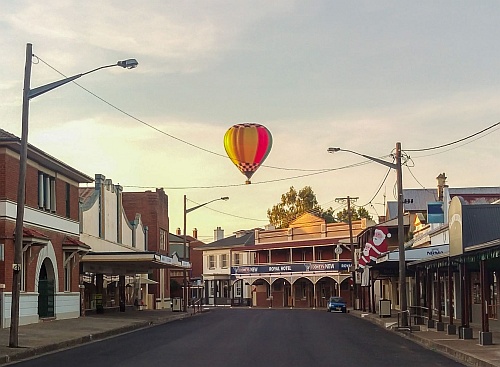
357, 75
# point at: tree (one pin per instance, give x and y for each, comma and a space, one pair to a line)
357, 214
293, 204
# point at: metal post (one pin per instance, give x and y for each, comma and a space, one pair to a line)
450, 291
401, 240
184, 291
348, 200
21, 193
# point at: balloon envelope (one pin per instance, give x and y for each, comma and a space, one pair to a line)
248, 145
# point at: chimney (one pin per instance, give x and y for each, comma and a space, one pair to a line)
218, 234
441, 185
195, 233
178, 231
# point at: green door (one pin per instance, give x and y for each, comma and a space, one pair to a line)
45, 298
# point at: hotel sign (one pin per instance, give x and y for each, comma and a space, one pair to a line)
292, 268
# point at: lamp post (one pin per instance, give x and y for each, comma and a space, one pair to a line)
402, 261
189, 210
28, 94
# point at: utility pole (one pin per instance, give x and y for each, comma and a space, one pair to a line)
348, 200
403, 306
21, 194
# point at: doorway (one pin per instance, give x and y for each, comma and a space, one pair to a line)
46, 292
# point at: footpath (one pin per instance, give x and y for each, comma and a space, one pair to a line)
469, 351
49, 336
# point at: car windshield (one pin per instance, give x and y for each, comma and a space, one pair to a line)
337, 300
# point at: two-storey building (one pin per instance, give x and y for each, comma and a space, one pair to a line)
300, 266
128, 261
51, 245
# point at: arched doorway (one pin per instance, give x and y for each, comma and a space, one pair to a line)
303, 290
46, 290
281, 291
325, 288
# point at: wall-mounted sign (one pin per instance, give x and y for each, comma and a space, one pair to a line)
435, 212
292, 268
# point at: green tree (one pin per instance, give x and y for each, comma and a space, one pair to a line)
359, 213
293, 204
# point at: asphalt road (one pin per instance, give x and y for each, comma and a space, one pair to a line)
253, 337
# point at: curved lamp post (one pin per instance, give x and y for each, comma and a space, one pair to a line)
28, 94
189, 210
402, 261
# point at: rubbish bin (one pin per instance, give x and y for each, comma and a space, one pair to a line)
384, 308
176, 304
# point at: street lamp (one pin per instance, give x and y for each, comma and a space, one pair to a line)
189, 210
28, 94
402, 261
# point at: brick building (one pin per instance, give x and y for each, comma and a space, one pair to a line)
51, 245
153, 208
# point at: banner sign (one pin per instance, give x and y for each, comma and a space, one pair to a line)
292, 268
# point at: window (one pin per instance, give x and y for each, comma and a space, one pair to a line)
68, 200
67, 273
223, 260
303, 256
237, 259
163, 239
24, 272
211, 262
238, 290
46, 192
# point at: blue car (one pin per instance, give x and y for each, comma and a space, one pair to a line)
336, 304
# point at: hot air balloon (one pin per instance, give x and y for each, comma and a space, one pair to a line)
248, 145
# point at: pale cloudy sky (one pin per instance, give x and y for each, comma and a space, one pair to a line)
360, 75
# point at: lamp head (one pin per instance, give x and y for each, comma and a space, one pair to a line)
128, 64
225, 198
333, 150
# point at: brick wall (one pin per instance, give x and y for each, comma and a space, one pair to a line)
153, 208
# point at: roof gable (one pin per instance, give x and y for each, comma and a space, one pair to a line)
306, 219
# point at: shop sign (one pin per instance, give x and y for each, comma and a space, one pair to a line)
292, 268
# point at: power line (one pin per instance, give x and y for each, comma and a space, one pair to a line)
253, 183
453, 142
228, 214
461, 145
167, 134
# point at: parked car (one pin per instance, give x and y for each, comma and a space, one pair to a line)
336, 304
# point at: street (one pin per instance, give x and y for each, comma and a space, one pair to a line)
253, 337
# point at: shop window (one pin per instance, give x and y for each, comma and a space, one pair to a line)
238, 290
67, 274
476, 288
24, 271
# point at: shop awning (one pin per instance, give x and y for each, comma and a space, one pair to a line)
129, 263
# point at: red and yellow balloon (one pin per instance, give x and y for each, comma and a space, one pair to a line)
248, 145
